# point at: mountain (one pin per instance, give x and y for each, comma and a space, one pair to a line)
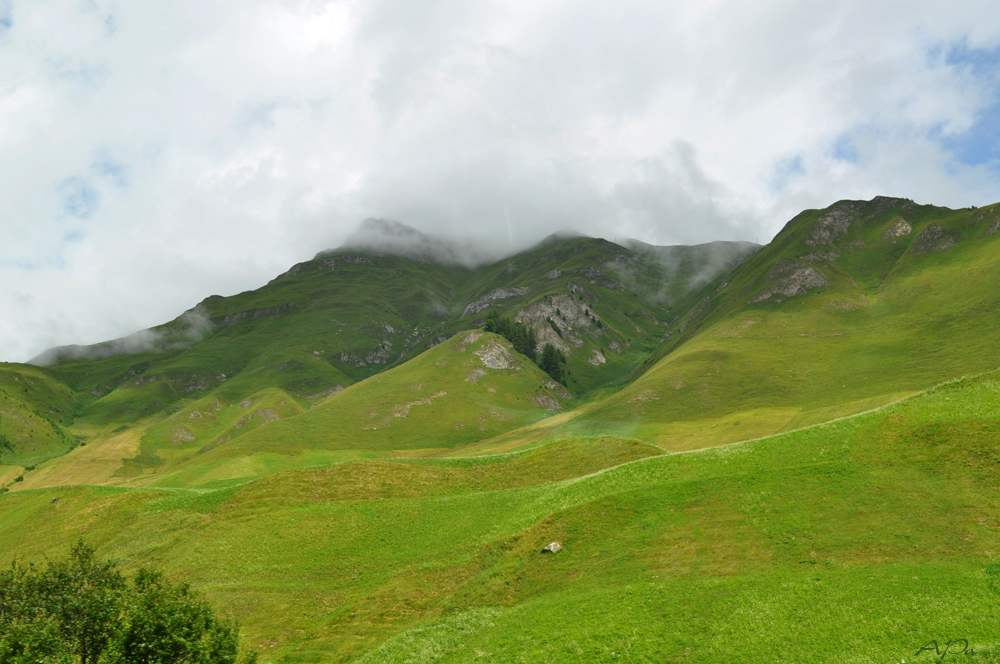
756, 449
848, 308
390, 294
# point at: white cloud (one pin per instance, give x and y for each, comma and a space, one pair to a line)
154, 153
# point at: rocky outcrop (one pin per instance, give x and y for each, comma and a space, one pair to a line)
325, 394
832, 224
351, 358
570, 315
837, 220
494, 355
378, 356
882, 204
597, 357
697, 314
789, 278
599, 278
828, 256
933, 239
498, 294
181, 435
899, 228
542, 400
475, 375
552, 547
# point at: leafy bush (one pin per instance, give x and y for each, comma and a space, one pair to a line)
85, 611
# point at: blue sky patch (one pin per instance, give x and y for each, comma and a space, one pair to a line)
981, 143
785, 171
112, 170
844, 149
6, 15
79, 198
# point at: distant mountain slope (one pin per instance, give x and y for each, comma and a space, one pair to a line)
35, 411
471, 387
202, 384
385, 297
848, 307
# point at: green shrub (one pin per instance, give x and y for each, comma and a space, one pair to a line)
82, 610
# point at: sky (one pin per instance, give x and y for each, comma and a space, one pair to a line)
154, 153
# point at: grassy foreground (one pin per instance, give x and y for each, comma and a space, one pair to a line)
860, 540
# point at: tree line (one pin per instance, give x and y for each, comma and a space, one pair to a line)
522, 338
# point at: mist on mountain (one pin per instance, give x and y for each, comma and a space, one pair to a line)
385, 236
190, 328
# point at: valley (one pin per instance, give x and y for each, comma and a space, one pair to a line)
754, 451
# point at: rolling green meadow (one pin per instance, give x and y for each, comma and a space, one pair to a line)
787, 453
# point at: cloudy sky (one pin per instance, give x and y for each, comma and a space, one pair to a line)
153, 153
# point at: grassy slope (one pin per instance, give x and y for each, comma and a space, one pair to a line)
859, 540
443, 398
35, 410
889, 323
338, 319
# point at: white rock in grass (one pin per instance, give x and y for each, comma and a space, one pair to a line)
553, 547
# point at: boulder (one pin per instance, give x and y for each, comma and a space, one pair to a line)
553, 547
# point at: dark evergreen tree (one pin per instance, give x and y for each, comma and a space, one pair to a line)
521, 336
5, 444
551, 362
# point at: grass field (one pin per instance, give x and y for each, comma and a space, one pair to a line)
859, 540
760, 470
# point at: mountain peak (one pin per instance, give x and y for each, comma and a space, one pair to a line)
389, 237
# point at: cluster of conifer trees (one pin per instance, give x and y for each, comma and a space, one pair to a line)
5, 444
522, 337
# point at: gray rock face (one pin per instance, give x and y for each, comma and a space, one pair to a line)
597, 358
561, 391
475, 375
898, 229
568, 314
181, 435
553, 547
695, 316
542, 400
932, 239
831, 225
789, 278
495, 356
836, 221
828, 256
498, 294
555, 274
880, 204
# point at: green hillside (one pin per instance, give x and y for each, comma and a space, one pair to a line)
162, 397
470, 388
35, 411
787, 453
826, 328
797, 544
